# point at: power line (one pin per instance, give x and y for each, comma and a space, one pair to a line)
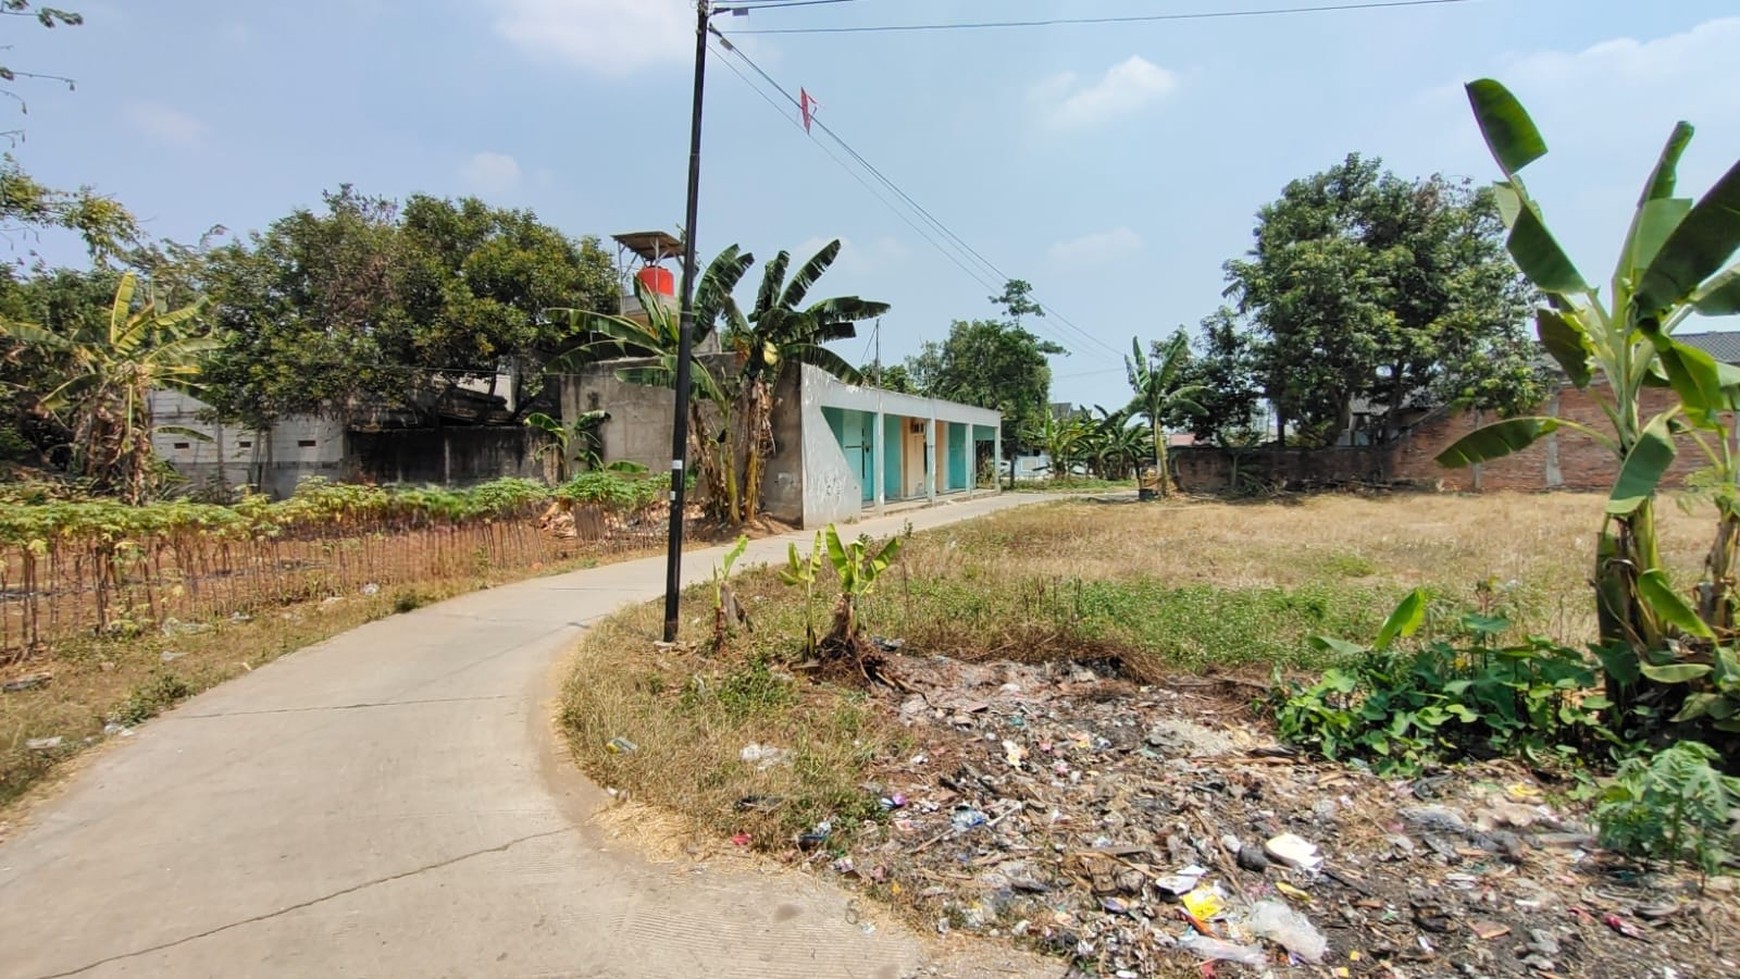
1077, 21
930, 218
775, 5
842, 164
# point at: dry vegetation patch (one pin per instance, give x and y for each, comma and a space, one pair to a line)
1110, 603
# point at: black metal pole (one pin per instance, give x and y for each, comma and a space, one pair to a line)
685, 339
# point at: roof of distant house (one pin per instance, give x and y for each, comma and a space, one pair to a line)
1725, 347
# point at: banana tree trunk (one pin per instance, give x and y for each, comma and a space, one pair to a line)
1161, 463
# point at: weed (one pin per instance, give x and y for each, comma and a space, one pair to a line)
754, 689
1674, 806
411, 599
159, 693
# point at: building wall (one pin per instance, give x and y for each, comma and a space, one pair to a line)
831, 491
1566, 459
452, 456
274, 462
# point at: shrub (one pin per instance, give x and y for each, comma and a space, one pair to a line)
1673, 806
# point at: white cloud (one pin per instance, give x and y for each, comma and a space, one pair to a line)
165, 124
492, 173
1100, 246
612, 37
1125, 88
1605, 111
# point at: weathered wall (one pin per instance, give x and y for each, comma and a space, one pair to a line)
449, 456
1565, 459
639, 429
831, 491
782, 485
273, 462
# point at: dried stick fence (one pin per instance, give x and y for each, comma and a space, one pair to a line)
97, 568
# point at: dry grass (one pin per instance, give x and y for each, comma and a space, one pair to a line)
1160, 588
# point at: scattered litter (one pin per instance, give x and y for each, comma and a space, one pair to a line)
30, 682
113, 730
1287, 928
621, 746
1216, 950
43, 744
764, 756
1294, 851
170, 657
741, 839
1205, 903
371, 589
1486, 931
968, 818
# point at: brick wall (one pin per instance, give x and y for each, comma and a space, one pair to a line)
1564, 460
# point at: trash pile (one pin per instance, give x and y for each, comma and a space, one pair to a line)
1138, 830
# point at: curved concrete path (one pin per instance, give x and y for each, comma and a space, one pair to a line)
391, 803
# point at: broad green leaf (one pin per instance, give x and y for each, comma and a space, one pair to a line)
1697, 705
1406, 620
1619, 661
1510, 133
1645, 465
1721, 295
1340, 647
836, 550
809, 273
1670, 607
123, 305
1656, 220
1696, 250
1497, 440
1564, 338
1675, 672
1510, 203
1704, 384
1664, 176
1538, 255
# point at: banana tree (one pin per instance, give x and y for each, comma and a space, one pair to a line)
780, 330
653, 347
1161, 392
566, 439
1673, 264
112, 367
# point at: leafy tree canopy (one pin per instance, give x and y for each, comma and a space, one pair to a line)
371, 302
1362, 285
992, 364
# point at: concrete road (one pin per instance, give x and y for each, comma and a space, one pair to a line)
392, 803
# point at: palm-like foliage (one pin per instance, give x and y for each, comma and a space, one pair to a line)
1162, 391
781, 330
112, 366
653, 346
1064, 440
1113, 447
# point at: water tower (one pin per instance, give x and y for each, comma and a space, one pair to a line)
640, 255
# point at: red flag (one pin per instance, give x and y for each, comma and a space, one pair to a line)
807, 106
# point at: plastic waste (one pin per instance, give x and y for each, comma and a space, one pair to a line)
1216, 950
1205, 903
965, 819
622, 746
1275, 921
1293, 851
764, 756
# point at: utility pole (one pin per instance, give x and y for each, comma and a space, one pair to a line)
685, 339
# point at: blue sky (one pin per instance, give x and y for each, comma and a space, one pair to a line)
1115, 167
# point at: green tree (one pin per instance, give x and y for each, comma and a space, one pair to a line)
1017, 301
1661, 652
368, 303
649, 349
1163, 391
889, 377
991, 364
781, 330
1224, 369
1362, 285
110, 369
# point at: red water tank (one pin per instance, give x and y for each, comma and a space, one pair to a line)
657, 279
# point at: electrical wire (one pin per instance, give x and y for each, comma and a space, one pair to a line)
1077, 21
931, 219
726, 8
842, 164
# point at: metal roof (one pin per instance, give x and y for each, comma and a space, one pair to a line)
1725, 346
653, 246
